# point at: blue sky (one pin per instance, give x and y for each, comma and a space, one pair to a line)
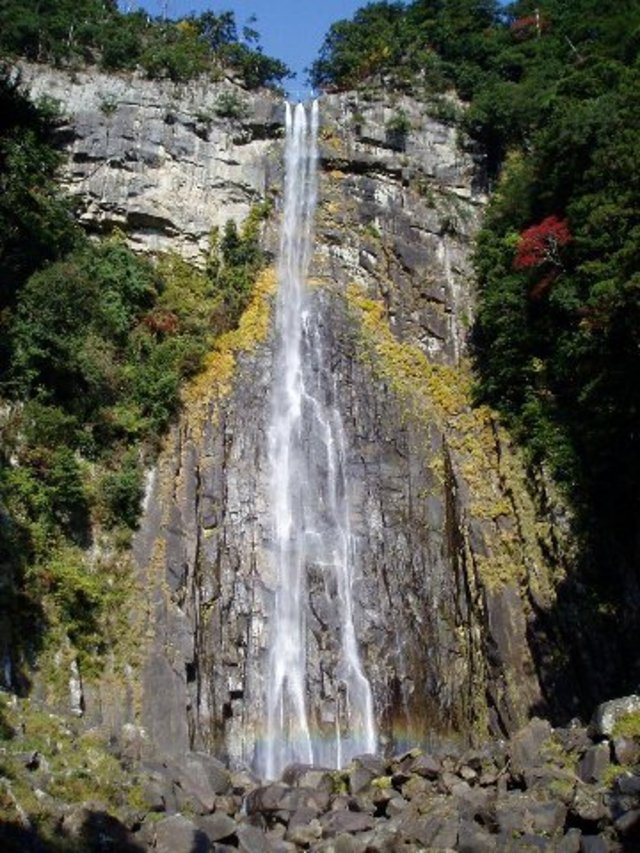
291, 30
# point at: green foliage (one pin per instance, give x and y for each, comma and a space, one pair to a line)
35, 225
230, 105
120, 492
628, 726
236, 259
354, 50
397, 129
423, 42
76, 32
557, 343
399, 123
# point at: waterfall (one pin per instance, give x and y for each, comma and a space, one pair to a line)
309, 501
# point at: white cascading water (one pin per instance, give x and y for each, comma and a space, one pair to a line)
309, 498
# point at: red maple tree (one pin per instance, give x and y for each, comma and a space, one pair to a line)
540, 244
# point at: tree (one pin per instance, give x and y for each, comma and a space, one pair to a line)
540, 244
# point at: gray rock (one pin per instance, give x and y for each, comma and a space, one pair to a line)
396, 807
200, 778
588, 804
157, 171
177, 833
468, 773
241, 782
335, 823
228, 804
154, 795
305, 776
593, 844
477, 804
529, 843
364, 770
415, 786
547, 818
427, 766
594, 763
626, 750
304, 833
436, 831
527, 744
608, 713
629, 783
302, 816
448, 781
474, 839
268, 798
518, 812
217, 826
252, 840
91, 825
570, 842
628, 824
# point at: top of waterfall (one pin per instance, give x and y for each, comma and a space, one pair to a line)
301, 96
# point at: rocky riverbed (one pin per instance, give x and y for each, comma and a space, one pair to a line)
572, 790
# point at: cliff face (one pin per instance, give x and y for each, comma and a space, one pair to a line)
165, 162
455, 570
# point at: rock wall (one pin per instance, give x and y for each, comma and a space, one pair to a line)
163, 161
456, 571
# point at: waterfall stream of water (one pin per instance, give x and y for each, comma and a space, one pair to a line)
309, 499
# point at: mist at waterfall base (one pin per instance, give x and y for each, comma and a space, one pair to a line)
309, 504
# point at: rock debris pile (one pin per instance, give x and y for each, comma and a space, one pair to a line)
570, 790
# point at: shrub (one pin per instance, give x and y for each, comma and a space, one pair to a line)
230, 105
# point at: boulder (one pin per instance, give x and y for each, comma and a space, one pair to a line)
252, 840
217, 826
307, 776
199, 779
608, 713
304, 833
268, 798
527, 745
474, 839
426, 766
364, 769
594, 844
626, 750
335, 823
594, 763
629, 784
90, 825
570, 842
177, 833
628, 825
588, 804
437, 830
